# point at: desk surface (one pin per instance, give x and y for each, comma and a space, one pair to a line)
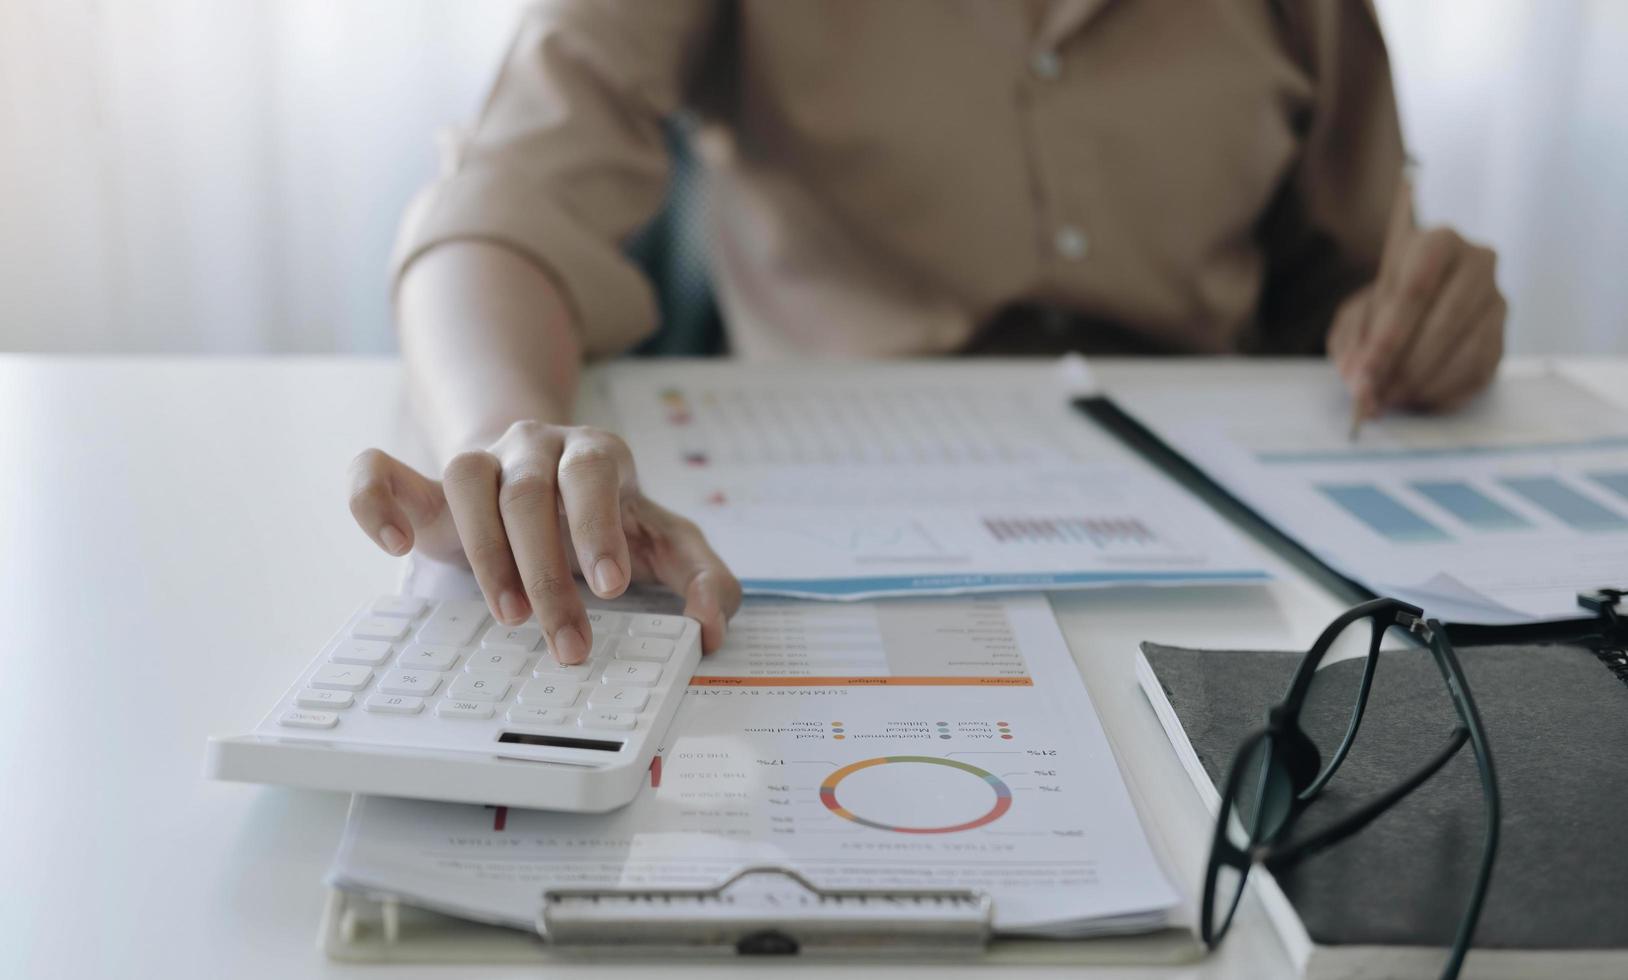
173, 545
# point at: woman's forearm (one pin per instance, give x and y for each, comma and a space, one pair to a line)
488, 341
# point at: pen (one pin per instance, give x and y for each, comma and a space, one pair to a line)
1401, 222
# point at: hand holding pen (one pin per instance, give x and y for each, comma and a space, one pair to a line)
1428, 332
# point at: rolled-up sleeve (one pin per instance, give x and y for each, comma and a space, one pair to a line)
566, 158
1324, 234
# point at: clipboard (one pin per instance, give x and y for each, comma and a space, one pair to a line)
762, 912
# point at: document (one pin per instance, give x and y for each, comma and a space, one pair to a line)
850, 481
1498, 514
915, 743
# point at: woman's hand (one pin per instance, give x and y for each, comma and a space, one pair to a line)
528, 509
1428, 333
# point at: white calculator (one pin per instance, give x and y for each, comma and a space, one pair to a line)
435, 700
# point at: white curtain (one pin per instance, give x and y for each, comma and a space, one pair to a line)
180, 175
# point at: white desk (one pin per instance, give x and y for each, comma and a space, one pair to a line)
174, 542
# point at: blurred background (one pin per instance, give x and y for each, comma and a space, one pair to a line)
185, 175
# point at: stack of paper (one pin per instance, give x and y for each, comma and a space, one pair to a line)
916, 743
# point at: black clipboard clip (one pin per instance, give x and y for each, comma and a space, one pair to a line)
1603, 603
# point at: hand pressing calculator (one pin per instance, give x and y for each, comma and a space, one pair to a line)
437, 701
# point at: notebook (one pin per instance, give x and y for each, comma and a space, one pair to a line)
1386, 901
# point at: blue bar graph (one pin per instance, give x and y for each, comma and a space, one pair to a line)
1382, 512
1562, 501
1617, 483
1470, 505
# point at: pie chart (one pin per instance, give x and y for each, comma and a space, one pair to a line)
916, 794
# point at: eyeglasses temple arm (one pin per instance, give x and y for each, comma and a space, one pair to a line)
1277, 858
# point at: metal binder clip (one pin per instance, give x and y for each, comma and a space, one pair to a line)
768, 911
1603, 602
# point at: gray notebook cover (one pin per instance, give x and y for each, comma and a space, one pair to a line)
1557, 722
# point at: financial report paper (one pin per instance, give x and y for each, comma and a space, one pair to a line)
912, 743
1498, 514
852, 480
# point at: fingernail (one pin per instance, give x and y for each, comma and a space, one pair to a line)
393, 540
569, 646
607, 576
510, 609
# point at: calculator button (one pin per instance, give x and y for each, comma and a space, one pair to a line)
482, 685
368, 653
311, 698
394, 704
341, 677
454, 622
379, 628
428, 658
552, 669
619, 698
528, 715
400, 606
464, 709
606, 623
644, 648
619, 720
522, 638
422, 682
549, 693
656, 625
502, 661
308, 719
636, 673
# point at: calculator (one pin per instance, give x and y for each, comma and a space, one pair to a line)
435, 700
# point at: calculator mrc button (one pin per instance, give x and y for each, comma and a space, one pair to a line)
644, 648
368, 653
631, 699
394, 704
379, 628
669, 626
464, 709
502, 661
341, 677
421, 682
632, 672
618, 720
310, 698
428, 658
482, 685
308, 719
550, 693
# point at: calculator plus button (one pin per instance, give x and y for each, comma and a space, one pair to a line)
618, 720
379, 628
644, 648
422, 682
549, 693
454, 622
606, 623
632, 699
656, 625
636, 673
308, 719
311, 698
368, 653
522, 638
400, 606
464, 709
502, 661
394, 704
548, 667
428, 658
527, 715
341, 677
484, 685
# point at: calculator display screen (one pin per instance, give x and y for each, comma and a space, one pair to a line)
560, 741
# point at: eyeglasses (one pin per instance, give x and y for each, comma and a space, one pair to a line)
1281, 769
